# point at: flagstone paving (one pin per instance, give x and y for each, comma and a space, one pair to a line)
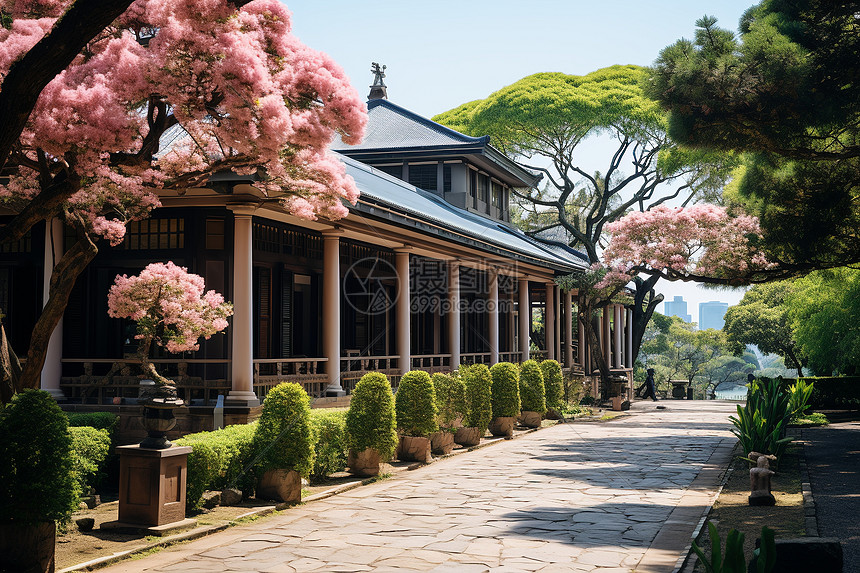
615, 497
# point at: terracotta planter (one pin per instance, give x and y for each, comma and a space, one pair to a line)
502, 426
280, 485
414, 449
530, 419
364, 463
27, 546
442, 443
468, 436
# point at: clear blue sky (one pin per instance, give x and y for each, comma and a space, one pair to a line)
443, 53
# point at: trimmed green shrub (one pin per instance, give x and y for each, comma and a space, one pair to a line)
371, 421
100, 420
450, 399
218, 460
834, 392
284, 439
329, 427
479, 398
532, 391
37, 478
415, 404
505, 392
90, 449
554, 384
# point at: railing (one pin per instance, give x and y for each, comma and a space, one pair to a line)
538, 354
431, 362
475, 358
309, 372
510, 357
106, 380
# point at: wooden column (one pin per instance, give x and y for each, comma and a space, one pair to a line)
493, 309
52, 370
242, 358
628, 350
331, 310
454, 313
619, 336
403, 310
525, 316
549, 321
568, 329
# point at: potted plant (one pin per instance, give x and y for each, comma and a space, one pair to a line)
371, 434
38, 485
479, 406
172, 311
554, 385
285, 443
415, 405
505, 399
450, 404
532, 394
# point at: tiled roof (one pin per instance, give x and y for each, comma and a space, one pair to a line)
393, 127
381, 188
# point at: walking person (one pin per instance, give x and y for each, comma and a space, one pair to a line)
649, 385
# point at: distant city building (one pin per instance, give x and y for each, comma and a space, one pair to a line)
711, 314
677, 307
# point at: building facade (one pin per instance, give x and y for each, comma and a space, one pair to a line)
711, 314
677, 307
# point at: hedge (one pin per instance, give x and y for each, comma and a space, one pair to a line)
284, 439
371, 420
450, 399
532, 391
479, 397
506, 392
554, 384
833, 391
90, 449
415, 404
329, 428
218, 460
100, 420
37, 481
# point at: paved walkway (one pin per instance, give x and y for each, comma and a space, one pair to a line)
620, 496
833, 460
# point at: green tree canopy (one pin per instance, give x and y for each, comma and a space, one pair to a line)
824, 308
786, 91
761, 318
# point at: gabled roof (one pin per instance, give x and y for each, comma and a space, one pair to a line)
418, 209
396, 133
393, 127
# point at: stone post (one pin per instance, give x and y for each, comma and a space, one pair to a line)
242, 358
331, 310
493, 309
454, 313
525, 314
568, 329
52, 371
549, 321
403, 310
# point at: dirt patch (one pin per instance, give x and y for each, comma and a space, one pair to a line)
732, 510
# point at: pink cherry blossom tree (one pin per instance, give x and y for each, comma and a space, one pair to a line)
701, 243
90, 89
171, 310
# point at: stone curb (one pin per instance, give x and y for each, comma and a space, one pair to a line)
204, 531
809, 514
687, 560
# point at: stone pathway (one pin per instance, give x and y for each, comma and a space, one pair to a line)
615, 497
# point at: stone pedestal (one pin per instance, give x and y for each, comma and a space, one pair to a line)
364, 463
414, 449
152, 485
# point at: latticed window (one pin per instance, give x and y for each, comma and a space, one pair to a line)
166, 233
497, 195
24, 245
423, 177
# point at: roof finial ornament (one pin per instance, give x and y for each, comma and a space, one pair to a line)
378, 90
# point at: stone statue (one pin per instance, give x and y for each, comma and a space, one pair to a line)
760, 479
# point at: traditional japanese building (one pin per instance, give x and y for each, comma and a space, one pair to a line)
426, 272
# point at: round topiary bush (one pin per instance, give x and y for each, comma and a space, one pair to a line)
479, 398
370, 421
505, 390
284, 438
450, 399
532, 391
554, 384
415, 404
330, 432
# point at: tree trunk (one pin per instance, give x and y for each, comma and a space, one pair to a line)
643, 310
584, 312
63, 278
795, 362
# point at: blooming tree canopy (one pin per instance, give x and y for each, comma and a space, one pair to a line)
170, 308
104, 102
702, 243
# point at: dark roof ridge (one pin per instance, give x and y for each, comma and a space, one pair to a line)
485, 140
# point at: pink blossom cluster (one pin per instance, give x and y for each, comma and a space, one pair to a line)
170, 307
700, 241
247, 93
